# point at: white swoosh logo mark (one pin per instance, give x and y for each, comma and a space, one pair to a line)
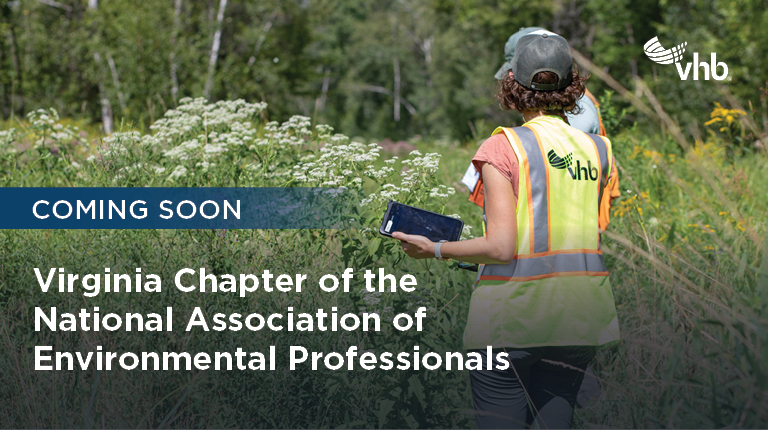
657, 53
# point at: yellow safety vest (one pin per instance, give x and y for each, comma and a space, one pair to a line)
556, 291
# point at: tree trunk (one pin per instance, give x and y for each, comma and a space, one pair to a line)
262, 37
106, 106
214, 50
116, 81
396, 67
397, 88
18, 82
56, 4
320, 102
174, 36
4, 100
381, 90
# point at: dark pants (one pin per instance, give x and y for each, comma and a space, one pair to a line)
551, 377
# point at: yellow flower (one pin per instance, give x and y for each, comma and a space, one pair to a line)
722, 115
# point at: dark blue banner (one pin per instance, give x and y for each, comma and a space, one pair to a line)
173, 208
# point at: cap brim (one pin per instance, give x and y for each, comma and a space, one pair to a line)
505, 68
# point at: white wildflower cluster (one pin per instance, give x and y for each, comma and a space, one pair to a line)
294, 132
61, 133
175, 126
340, 164
74, 166
6, 138
372, 300
379, 174
132, 167
466, 232
195, 117
442, 192
388, 192
271, 127
128, 138
222, 114
45, 124
420, 167
185, 151
116, 146
419, 172
42, 119
215, 143
323, 131
178, 172
297, 125
204, 166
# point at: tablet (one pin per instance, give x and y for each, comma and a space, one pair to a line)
412, 220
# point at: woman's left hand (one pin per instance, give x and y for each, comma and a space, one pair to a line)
416, 246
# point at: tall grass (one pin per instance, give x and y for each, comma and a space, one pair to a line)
686, 250
687, 255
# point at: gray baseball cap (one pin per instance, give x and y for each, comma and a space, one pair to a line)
542, 52
509, 50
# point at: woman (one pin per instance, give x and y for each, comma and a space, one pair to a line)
543, 294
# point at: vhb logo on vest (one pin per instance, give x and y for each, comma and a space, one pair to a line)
659, 54
590, 173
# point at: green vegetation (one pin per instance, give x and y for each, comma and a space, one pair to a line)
378, 69
686, 247
686, 251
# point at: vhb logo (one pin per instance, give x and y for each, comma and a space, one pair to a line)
657, 53
590, 173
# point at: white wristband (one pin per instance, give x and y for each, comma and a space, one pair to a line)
438, 255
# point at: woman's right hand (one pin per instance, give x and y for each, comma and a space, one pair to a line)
497, 247
416, 246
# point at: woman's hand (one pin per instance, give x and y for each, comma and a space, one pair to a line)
416, 246
497, 247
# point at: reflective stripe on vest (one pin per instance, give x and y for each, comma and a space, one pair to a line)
537, 182
529, 266
581, 262
556, 290
602, 152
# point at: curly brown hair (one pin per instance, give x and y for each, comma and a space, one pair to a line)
514, 96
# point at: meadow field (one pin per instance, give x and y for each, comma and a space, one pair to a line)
686, 251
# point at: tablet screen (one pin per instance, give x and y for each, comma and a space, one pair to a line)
411, 220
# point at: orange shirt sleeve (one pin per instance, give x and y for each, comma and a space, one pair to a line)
496, 151
610, 192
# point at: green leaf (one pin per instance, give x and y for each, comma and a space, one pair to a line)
671, 235
418, 390
742, 266
411, 421
373, 246
385, 407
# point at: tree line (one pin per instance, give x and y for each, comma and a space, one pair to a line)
373, 68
